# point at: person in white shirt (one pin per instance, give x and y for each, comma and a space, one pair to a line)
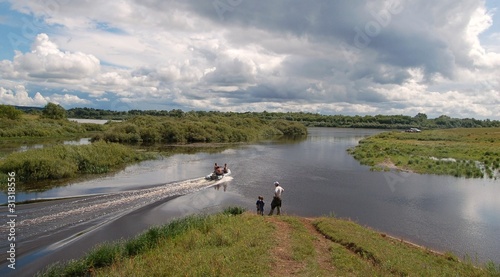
276, 203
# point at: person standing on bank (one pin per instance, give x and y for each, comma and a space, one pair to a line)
260, 205
276, 203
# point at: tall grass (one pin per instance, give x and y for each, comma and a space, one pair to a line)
35, 127
64, 161
471, 153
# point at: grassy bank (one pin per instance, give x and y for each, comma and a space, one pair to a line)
67, 161
234, 244
472, 153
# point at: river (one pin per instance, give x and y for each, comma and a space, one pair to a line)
319, 177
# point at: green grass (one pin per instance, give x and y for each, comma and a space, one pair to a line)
193, 129
233, 243
66, 161
475, 152
215, 245
33, 126
303, 249
368, 252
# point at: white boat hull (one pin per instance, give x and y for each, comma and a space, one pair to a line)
215, 177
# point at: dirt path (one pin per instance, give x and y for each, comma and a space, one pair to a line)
283, 262
322, 246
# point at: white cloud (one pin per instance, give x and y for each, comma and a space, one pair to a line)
67, 100
19, 97
480, 21
283, 55
46, 61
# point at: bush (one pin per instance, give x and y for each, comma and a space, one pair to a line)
53, 111
10, 112
233, 210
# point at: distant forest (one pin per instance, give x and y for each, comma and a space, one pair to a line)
308, 119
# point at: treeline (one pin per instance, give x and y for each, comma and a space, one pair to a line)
309, 119
383, 121
193, 129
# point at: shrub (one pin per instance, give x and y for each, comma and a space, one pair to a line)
233, 210
10, 112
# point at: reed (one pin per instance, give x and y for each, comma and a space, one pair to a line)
65, 161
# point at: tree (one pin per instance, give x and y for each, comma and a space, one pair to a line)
53, 111
10, 112
421, 117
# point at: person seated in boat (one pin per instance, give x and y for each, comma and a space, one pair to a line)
219, 171
226, 170
215, 167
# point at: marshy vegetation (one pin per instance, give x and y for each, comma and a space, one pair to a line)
193, 129
471, 152
309, 119
50, 122
66, 161
105, 154
233, 243
459, 152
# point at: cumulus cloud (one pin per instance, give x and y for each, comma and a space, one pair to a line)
351, 57
46, 62
67, 100
19, 97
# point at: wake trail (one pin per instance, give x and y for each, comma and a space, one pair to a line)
45, 218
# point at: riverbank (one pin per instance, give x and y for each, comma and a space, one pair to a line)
234, 244
66, 162
471, 152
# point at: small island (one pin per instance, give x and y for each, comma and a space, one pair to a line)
460, 152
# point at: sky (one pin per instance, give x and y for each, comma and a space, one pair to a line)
391, 57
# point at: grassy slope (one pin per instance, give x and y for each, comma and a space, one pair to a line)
424, 152
251, 245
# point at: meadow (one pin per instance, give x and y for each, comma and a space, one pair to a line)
238, 243
461, 152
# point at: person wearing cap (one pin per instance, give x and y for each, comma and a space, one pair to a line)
276, 203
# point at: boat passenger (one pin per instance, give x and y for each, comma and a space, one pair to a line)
219, 171
226, 170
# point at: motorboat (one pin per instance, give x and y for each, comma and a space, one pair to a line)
213, 176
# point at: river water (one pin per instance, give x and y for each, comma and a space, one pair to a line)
319, 177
